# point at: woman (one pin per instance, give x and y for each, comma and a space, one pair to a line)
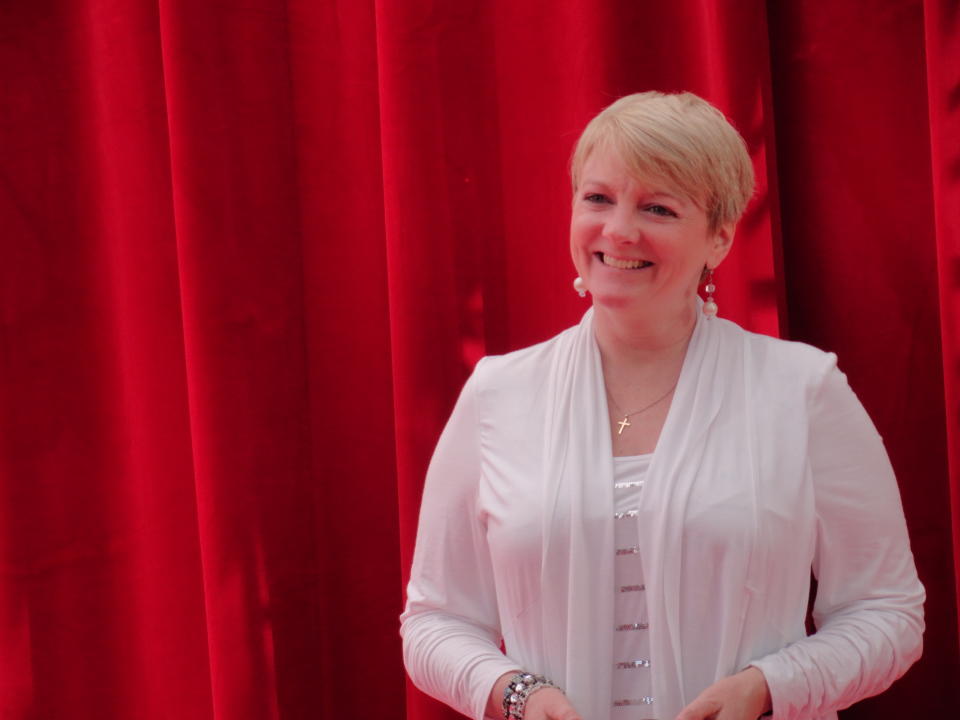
634, 507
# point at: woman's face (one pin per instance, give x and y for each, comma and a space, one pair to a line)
636, 242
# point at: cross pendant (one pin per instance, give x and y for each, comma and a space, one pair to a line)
623, 423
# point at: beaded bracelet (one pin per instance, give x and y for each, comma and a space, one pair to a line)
518, 690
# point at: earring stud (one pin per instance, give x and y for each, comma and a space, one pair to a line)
580, 286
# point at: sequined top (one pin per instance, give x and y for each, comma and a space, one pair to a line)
632, 687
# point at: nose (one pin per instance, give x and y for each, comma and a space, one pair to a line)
621, 225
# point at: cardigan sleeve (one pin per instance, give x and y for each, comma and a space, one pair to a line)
869, 604
450, 627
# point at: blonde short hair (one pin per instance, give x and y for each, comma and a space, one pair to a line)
679, 139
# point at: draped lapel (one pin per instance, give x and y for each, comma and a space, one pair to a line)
677, 463
578, 547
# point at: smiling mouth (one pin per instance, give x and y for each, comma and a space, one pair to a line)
611, 261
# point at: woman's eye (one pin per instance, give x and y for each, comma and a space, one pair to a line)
596, 198
661, 210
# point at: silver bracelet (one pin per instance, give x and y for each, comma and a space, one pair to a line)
518, 691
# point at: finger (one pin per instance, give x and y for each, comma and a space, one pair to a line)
566, 713
553, 705
699, 710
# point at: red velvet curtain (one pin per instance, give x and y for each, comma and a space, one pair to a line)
252, 249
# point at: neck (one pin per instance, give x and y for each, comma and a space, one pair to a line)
631, 343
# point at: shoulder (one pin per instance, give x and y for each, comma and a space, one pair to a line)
766, 349
525, 368
780, 363
512, 387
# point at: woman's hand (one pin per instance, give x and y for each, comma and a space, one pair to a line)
744, 696
544, 704
549, 704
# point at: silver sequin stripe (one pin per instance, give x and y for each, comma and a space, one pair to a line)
628, 550
627, 485
626, 514
632, 626
631, 664
645, 700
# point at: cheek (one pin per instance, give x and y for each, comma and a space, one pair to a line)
582, 231
577, 254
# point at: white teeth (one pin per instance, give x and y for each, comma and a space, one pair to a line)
623, 264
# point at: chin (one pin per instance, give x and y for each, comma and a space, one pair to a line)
615, 300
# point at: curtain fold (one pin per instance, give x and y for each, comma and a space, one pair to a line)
942, 46
252, 250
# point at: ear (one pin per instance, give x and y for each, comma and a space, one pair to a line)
720, 244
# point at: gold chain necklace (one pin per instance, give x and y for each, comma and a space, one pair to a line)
625, 423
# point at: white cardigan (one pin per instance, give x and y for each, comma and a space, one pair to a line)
767, 466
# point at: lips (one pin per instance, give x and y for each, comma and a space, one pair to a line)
621, 263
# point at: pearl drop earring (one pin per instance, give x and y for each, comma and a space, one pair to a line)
710, 306
580, 286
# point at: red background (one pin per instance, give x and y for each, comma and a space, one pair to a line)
251, 250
